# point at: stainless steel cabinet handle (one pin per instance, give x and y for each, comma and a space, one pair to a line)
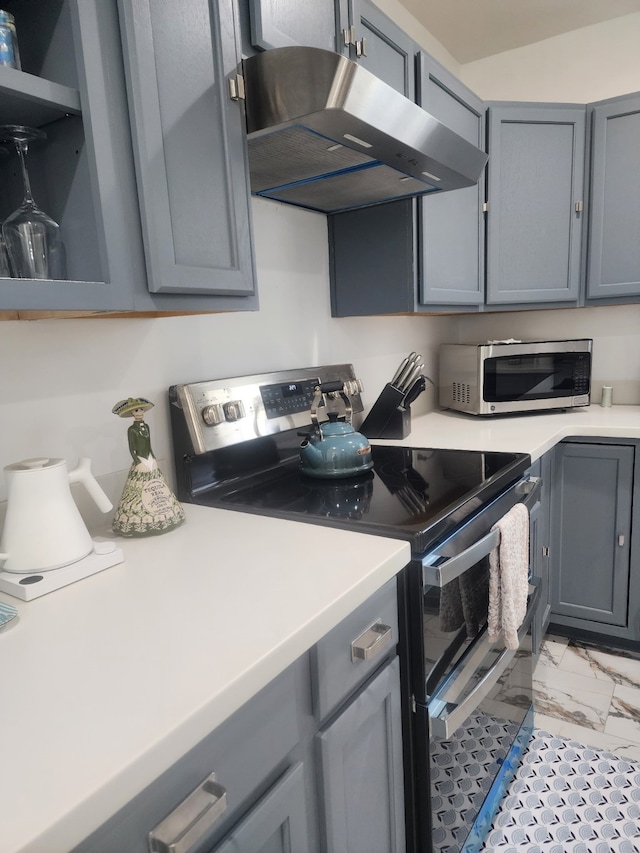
371, 642
187, 824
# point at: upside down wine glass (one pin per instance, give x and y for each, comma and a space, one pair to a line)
5, 272
32, 238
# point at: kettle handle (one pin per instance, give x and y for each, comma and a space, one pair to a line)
82, 474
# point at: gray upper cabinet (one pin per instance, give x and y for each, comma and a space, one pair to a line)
188, 137
72, 85
591, 512
451, 223
421, 254
190, 149
382, 47
614, 219
286, 23
535, 203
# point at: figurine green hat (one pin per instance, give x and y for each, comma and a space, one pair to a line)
126, 408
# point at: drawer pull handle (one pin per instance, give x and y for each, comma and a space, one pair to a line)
371, 642
187, 824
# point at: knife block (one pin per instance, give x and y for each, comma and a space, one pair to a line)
388, 418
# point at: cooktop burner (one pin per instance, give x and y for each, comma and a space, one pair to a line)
418, 494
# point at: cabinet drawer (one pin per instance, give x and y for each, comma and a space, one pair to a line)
247, 753
353, 649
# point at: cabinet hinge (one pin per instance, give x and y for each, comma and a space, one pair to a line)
236, 87
545, 551
361, 47
485, 207
349, 36
579, 207
413, 703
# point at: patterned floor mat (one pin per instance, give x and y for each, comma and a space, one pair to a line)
568, 798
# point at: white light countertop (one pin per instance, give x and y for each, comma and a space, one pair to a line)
533, 434
106, 683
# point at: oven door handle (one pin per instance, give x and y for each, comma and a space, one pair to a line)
448, 570
446, 712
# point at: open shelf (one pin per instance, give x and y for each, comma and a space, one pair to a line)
27, 99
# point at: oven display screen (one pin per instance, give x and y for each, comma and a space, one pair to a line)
293, 389
288, 398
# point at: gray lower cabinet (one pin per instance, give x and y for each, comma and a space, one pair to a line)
613, 268
593, 588
190, 150
539, 549
361, 771
312, 763
277, 824
535, 190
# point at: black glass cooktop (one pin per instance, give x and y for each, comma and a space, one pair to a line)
418, 494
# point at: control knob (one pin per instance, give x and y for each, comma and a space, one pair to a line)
233, 410
212, 415
352, 387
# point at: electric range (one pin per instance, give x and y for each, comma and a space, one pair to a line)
236, 444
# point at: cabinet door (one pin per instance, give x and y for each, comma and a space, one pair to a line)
362, 796
72, 85
591, 512
535, 191
189, 145
614, 219
278, 824
451, 223
380, 46
284, 23
539, 550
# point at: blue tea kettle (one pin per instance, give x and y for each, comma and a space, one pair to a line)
333, 448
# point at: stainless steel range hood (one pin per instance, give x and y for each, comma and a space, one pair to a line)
326, 134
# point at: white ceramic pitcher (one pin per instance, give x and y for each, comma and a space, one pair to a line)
43, 528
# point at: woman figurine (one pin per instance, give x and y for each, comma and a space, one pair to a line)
147, 505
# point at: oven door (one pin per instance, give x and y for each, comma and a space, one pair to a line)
472, 696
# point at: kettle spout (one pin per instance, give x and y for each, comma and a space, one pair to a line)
310, 453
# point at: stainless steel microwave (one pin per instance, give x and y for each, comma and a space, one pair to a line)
504, 377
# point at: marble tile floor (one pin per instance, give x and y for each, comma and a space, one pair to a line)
590, 694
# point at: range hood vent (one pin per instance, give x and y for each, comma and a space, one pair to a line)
326, 134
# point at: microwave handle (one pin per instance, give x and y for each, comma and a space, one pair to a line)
439, 575
446, 716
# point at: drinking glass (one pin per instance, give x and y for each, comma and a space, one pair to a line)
32, 238
5, 270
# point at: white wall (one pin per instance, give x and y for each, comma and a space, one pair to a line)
60, 378
590, 64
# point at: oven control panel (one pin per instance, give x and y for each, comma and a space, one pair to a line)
221, 412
